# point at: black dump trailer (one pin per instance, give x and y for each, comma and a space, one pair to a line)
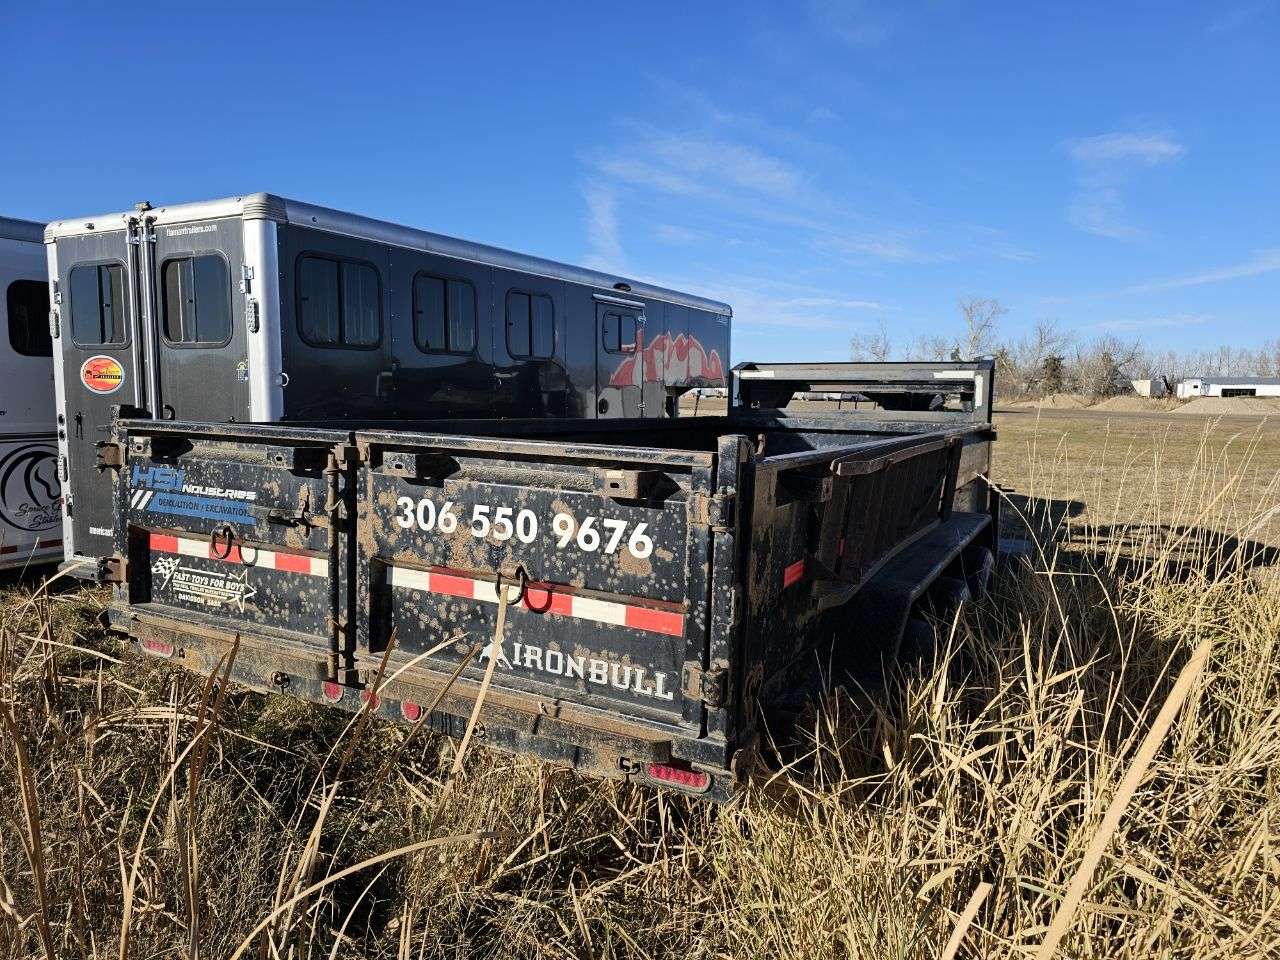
631, 598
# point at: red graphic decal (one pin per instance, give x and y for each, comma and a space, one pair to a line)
677, 359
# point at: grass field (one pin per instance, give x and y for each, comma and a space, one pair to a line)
1085, 768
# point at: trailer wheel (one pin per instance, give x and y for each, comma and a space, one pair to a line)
946, 594
980, 567
918, 638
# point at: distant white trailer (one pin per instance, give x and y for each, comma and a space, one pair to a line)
1229, 387
1148, 388
30, 492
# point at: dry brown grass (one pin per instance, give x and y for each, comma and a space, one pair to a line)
1043, 773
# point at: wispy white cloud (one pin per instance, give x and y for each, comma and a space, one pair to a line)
887, 247
1105, 164
1264, 261
1144, 148
692, 164
602, 228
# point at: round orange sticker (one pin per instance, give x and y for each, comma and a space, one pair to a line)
102, 374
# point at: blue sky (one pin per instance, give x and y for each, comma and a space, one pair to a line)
825, 167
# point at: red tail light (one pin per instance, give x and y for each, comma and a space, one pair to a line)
410, 710
332, 691
679, 777
157, 648
371, 699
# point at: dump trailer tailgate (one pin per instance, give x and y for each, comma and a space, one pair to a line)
229, 531
602, 554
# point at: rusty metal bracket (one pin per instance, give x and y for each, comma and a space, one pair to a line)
417, 466
110, 455
114, 569
347, 455
715, 511
627, 484
709, 685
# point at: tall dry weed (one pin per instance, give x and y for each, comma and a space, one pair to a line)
1041, 783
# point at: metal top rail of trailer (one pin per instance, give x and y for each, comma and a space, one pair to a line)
662, 586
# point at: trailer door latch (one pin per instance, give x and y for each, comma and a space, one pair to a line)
707, 685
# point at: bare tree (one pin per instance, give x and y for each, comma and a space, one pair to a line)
1027, 356
1102, 367
980, 317
871, 346
926, 347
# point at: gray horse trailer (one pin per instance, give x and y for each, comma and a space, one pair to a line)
261, 309
30, 512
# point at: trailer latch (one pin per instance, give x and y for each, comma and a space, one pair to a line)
708, 685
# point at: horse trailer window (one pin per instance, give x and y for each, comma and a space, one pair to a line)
531, 331
338, 303
28, 305
196, 292
97, 304
619, 332
444, 314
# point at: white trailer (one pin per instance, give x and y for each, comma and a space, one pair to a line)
30, 488
1225, 386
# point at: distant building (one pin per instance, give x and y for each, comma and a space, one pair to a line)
1148, 388
1193, 387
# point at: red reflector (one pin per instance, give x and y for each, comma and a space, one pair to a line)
371, 699
411, 710
158, 648
332, 691
679, 777
793, 573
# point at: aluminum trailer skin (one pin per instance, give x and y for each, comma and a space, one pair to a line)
667, 583
30, 488
259, 308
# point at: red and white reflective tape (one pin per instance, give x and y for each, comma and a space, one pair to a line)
544, 598
251, 557
29, 546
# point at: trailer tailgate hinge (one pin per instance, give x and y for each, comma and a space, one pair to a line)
716, 511
709, 685
347, 455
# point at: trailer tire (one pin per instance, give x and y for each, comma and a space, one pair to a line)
948, 593
918, 638
980, 568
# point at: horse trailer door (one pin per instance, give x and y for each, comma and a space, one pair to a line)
200, 335
97, 323
620, 360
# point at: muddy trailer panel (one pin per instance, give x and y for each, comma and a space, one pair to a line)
661, 587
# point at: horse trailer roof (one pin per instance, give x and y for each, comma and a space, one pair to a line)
13, 229
267, 206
